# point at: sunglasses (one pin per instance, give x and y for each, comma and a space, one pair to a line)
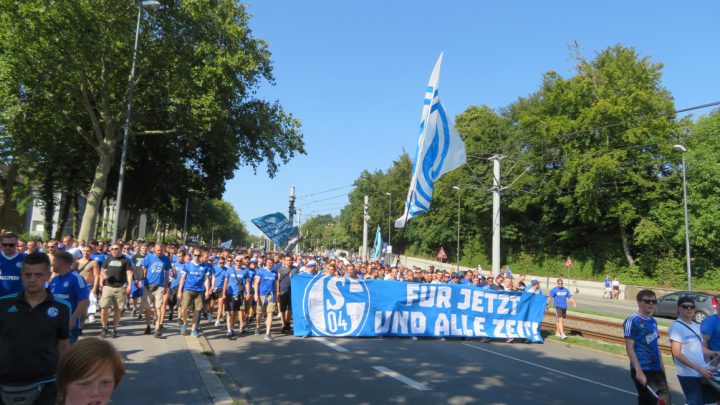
687, 306
649, 301
8, 244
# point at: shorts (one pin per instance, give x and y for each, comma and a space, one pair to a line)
153, 299
608, 288
561, 312
172, 296
657, 381
216, 294
249, 302
234, 303
266, 305
113, 297
696, 391
284, 302
194, 297
616, 287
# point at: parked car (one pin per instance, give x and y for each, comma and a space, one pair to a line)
705, 304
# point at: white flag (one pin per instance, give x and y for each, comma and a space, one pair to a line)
440, 150
227, 244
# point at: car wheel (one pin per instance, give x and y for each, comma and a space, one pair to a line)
699, 317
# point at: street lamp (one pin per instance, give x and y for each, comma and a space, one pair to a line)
389, 218
683, 150
457, 253
151, 4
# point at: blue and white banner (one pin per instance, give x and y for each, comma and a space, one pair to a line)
378, 245
227, 244
276, 227
440, 150
333, 306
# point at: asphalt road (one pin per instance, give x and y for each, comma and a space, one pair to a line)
294, 370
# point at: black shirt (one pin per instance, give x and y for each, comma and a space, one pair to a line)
285, 274
117, 268
29, 338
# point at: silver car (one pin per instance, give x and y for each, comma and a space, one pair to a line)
705, 304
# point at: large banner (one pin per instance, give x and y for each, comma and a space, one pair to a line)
332, 306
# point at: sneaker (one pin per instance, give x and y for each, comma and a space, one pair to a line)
217, 323
204, 316
91, 318
140, 317
559, 335
242, 330
563, 337
158, 333
194, 333
105, 331
269, 337
114, 334
230, 334
183, 330
147, 330
257, 331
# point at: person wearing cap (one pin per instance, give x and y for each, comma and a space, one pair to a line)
689, 353
534, 286
70, 286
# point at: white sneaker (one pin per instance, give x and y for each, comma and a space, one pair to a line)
563, 336
559, 335
91, 318
217, 323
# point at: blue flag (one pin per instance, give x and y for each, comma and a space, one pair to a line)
440, 150
378, 244
276, 227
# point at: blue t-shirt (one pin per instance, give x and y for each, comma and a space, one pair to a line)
251, 275
711, 327
195, 277
644, 333
10, 282
268, 281
236, 280
179, 270
465, 281
220, 272
560, 296
606, 283
156, 268
72, 288
99, 258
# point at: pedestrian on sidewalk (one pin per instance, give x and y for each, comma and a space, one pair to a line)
116, 277
641, 344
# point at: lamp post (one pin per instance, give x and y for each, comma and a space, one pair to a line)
457, 252
151, 4
389, 218
683, 150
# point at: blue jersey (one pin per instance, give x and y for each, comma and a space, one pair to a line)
237, 279
72, 288
711, 327
606, 283
99, 258
220, 272
10, 282
179, 271
156, 268
195, 277
644, 333
268, 281
251, 275
560, 296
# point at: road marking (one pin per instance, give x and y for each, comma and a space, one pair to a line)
409, 381
332, 345
552, 369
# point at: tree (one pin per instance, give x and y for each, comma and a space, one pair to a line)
198, 66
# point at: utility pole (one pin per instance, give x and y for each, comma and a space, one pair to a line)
297, 245
496, 189
291, 210
366, 219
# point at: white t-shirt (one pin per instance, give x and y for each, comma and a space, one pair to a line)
691, 346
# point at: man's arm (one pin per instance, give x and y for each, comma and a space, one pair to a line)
81, 310
630, 350
208, 290
256, 284
96, 276
676, 348
181, 285
129, 275
225, 286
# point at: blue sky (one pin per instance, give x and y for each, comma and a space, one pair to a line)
354, 73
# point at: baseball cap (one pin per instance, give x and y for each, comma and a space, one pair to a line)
312, 263
534, 281
684, 300
253, 260
60, 246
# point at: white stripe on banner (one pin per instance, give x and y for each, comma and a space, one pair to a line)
440, 150
409, 381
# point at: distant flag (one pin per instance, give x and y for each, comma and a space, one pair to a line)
227, 244
440, 150
378, 244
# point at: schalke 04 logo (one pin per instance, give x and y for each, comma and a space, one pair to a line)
336, 306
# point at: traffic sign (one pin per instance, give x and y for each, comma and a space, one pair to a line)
568, 262
441, 254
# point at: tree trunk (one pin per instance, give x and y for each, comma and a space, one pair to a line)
75, 211
64, 210
626, 248
48, 200
8, 205
97, 190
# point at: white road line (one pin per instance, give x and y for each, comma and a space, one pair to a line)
409, 381
332, 345
552, 369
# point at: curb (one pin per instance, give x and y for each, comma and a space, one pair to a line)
216, 390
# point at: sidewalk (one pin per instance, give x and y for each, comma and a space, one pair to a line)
159, 370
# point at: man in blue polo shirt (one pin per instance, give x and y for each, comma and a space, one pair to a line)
70, 286
194, 288
641, 344
559, 296
10, 265
266, 294
155, 268
236, 284
218, 281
